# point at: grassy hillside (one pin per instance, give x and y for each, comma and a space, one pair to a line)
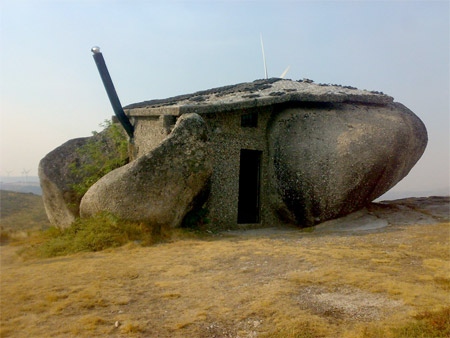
21, 212
391, 282
288, 284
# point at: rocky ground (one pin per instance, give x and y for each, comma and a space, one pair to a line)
364, 275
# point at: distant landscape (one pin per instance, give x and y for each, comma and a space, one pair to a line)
21, 212
21, 184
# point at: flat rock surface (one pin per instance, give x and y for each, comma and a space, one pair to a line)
255, 94
373, 218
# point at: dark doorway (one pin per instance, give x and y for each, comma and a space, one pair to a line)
249, 186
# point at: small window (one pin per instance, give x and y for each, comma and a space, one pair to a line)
249, 120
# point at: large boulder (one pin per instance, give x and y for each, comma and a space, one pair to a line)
330, 160
69, 166
160, 187
57, 179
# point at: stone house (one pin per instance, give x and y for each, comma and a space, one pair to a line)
240, 183
290, 151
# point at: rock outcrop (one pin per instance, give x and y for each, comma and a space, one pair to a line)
324, 151
330, 160
160, 187
62, 169
57, 179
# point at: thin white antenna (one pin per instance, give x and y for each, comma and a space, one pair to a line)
285, 72
264, 57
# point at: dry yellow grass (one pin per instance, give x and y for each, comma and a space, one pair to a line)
285, 284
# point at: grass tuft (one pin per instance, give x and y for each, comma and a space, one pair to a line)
443, 282
428, 324
97, 233
131, 327
4, 237
103, 231
297, 330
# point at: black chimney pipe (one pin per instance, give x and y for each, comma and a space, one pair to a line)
111, 91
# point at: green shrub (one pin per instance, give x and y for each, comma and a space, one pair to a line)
94, 234
104, 152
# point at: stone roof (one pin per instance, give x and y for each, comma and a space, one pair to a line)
255, 94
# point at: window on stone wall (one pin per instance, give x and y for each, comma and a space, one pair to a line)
249, 120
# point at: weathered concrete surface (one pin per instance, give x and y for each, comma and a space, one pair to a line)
330, 160
56, 178
159, 187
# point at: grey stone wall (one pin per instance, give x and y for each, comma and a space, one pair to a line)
227, 138
150, 131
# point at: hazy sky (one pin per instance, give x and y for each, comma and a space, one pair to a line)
51, 91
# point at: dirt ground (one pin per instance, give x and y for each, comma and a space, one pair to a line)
367, 272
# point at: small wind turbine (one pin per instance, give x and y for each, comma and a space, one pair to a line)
8, 172
285, 72
264, 57
264, 61
25, 172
